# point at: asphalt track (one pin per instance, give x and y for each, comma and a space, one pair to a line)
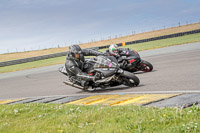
176, 70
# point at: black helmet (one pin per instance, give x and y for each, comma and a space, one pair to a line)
75, 49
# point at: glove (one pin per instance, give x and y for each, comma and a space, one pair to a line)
123, 64
121, 58
97, 77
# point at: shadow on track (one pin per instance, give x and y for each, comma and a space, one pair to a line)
141, 72
111, 89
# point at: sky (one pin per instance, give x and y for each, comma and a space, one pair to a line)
38, 24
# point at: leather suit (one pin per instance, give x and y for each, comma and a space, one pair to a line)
74, 67
122, 52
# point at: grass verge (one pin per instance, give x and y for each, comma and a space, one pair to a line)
164, 42
137, 47
57, 118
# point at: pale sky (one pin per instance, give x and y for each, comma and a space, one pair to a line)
38, 24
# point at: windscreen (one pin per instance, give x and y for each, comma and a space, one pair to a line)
105, 62
132, 53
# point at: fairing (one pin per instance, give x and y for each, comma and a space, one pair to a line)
106, 65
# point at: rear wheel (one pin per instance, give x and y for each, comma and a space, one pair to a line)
145, 66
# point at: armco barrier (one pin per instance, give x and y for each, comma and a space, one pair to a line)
19, 61
31, 59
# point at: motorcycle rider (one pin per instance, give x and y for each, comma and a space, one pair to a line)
75, 63
119, 53
114, 50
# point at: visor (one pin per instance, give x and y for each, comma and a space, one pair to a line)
78, 52
115, 51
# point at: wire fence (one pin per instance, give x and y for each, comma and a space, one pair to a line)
31, 59
108, 37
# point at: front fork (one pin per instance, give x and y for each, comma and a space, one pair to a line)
133, 66
140, 66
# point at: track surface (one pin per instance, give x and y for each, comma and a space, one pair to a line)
175, 69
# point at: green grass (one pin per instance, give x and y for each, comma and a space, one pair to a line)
163, 43
57, 118
166, 42
137, 47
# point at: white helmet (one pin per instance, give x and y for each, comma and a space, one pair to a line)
113, 49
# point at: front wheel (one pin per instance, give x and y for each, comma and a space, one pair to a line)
145, 66
132, 82
129, 79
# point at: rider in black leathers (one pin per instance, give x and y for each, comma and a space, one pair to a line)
75, 63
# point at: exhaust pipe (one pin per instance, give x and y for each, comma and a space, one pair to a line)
74, 85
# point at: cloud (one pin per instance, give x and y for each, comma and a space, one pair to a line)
30, 23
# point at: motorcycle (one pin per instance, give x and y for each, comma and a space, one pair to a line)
132, 62
108, 71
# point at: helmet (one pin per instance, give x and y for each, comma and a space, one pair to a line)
74, 50
113, 49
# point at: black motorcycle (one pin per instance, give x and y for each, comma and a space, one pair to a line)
108, 71
132, 62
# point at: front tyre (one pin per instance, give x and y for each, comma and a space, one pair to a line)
129, 79
133, 82
91, 89
145, 66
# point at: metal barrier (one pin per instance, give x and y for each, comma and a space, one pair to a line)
31, 59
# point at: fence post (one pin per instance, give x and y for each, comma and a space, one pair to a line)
124, 44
